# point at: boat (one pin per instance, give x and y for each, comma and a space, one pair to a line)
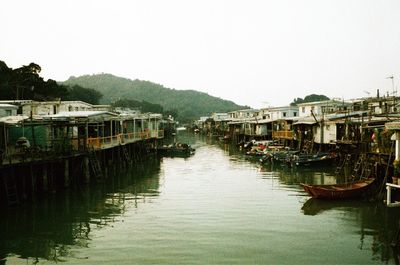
176, 149
312, 159
339, 191
278, 156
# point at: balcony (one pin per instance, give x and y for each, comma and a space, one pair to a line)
288, 135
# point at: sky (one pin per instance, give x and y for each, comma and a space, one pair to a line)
257, 53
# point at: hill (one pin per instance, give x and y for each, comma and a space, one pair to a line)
189, 104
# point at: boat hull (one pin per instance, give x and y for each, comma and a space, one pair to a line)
339, 191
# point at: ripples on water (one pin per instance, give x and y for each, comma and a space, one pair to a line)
216, 207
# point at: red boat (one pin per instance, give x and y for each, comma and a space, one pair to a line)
339, 191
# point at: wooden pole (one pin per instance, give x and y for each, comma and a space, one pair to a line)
66, 173
45, 178
86, 169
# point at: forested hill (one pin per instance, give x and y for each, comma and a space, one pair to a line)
189, 104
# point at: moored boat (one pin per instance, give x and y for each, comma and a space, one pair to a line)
177, 149
312, 159
339, 191
278, 156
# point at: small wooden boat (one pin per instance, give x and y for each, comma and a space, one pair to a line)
339, 191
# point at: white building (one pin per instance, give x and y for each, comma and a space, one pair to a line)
220, 116
8, 110
322, 107
53, 107
285, 112
243, 114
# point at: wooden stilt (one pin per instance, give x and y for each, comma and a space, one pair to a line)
11, 191
66, 173
45, 178
86, 170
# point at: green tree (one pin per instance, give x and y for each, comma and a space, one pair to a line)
143, 106
309, 98
88, 95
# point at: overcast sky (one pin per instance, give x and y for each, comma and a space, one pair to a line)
256, 53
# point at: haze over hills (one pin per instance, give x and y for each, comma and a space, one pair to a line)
189, 104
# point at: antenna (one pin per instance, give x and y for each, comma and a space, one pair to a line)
392, 77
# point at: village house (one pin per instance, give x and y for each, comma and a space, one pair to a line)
40, 108
274, 122
377, 105
242, 124
54, 107
282, 120
323, 107
71, 126
221, 123
8, 110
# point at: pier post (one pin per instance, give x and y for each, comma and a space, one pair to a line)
33, 180
45, 178
86, 169
66, 173
388, 194
52, 184
396, 137
105, 171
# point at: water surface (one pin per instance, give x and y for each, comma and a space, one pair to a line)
216, 207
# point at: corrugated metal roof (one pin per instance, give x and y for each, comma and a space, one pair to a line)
347, 115
394, 125
306, 120
13, 119
8, 106
79, 114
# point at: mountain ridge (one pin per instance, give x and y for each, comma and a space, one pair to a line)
190, 104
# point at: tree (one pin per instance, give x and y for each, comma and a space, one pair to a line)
144, 106
26, 83
309, 98
84, 94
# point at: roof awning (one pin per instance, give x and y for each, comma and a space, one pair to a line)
306, 122
395, 125
13, 119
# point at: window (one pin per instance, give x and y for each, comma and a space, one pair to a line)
295, 113
284, 114
8, 112
303, 109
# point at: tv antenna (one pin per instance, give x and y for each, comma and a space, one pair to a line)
392, 77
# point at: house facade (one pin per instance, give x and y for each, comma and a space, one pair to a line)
8, 110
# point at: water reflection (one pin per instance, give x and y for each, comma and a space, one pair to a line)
374, 223
48, 228
219, 206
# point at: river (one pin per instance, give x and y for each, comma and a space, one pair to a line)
215, 207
